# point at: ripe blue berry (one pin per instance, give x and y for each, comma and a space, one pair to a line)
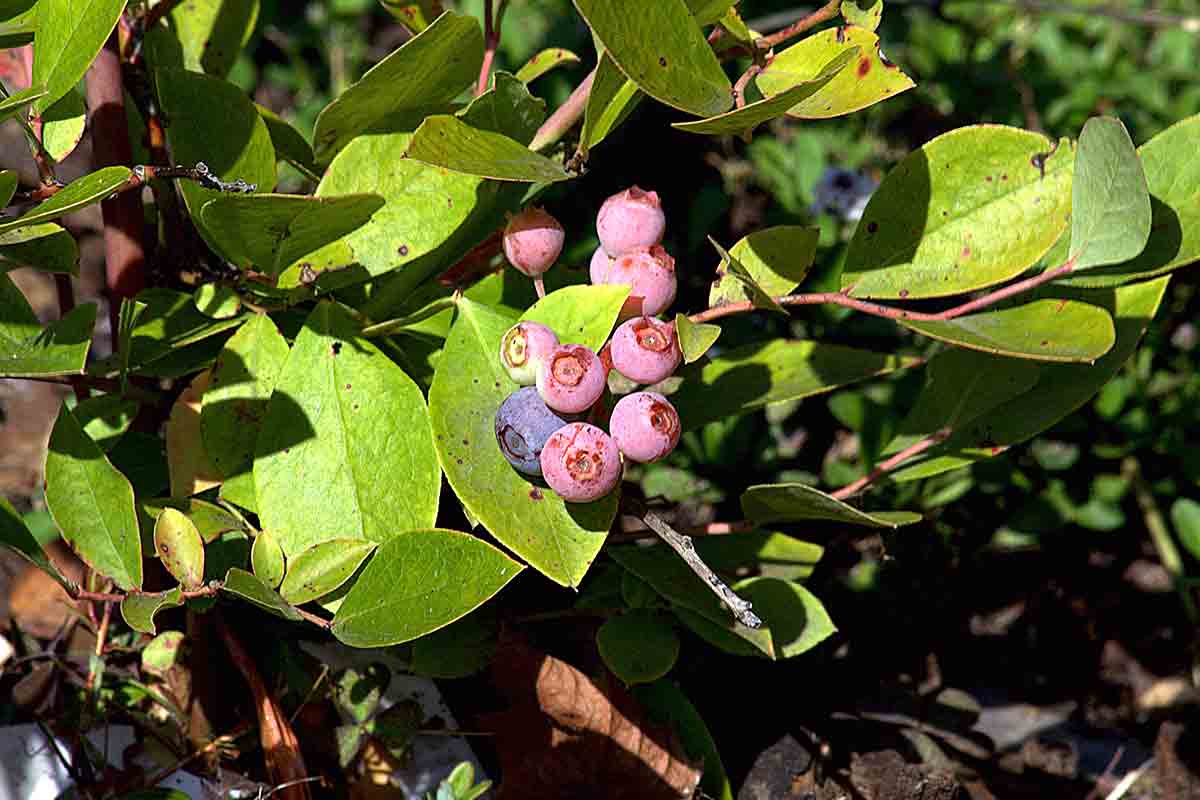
645, 426
532, 241
629, 219
524, 346
645, 349
571, 378
650, 272
581, 463
523, 424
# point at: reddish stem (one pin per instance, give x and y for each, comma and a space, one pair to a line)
825, 12
851, 489
491, 41
565, 116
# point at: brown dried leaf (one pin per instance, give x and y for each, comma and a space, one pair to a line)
567, 735
191, 471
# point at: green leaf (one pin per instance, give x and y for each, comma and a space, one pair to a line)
69, 35
460, 649
139, 610
638, 646
863, 84
167, 322
246, 586
9, 179
217, 301
792, 502
863, 13
558, 539
1174, 182
62, 125
751, 115
29, 350
611, 100
15, 536
754, 375
774, 555
289, 143
236, 399
13, 104
105, 418
1060, 389
416, 15
1185, 516
431, 68
162, 652
579, 314
1110, 207
732, 268
92, 504
446, 141
969, 209
775, 259
214, 122
179, 547
266, 559
794, 621
418, 582
543, 61
694, 340
272, 231
507, 108
239, 490
46, 247
210, 520
667, 704
660, 47
79, 193
707, 12
1042, 330
345, 449
322, 568
203, 35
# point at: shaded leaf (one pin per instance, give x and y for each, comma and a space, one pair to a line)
1110, 206
638, 646
69, 35
774, 555
13, 104
203, 35
79, 193
668, 705
46, 247
266, 559
732, 269
246, 586
446, 141
210, 520
290, 145
507, 108
322, 568
191, 470
15, 536
460, 649
105, 418
216, 301
611, 100
1185, 516
579, 314
543, 61
776, 260
417, 582
694, 340
167, 322
139, 610
28, 349
162, 652
793, 502
179, 547
9, 179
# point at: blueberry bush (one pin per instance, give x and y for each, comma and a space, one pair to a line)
361, 378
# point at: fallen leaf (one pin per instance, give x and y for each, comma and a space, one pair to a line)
569, 735
191, 471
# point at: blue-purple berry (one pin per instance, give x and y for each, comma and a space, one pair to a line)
523, 425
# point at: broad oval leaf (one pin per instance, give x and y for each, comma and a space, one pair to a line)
271, 231
217, 301
235, 402
972, 208
69, 35
162, 652
191, 470
62, 125
792, 502
751, 115
866, 82
558, 539
776, 259
179, 547
139, 610
92, 504
666, 703
694, 340
345, 449
638, 646
8, 186
611, 100
47, 247
246, 586
27, 349
418, 582
16, 536
322, 568
214, 122
1173, 177
446, 141
543, 61
431, 68
579, 314
660, 47
79, 193
1185, 516
732, 268
1110, 207
203, 35
290, 145
267, 560
1043, 330
754, 375
507, 108
210, 520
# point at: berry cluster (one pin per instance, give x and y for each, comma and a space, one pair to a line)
550, 426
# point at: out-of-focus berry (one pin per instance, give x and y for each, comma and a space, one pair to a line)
524, 346
532, 241
645, 349
523, 424
645, 426
629, 219
581, 462
571, 378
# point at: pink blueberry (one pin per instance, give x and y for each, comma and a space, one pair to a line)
581, 462
524, 346
532, 241
629, 219
571, 378
645, 426
599, 266
650, 272
645, 349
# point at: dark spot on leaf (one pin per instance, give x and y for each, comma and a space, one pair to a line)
497, 384
903, 293
1045, 342
466, 442
403, 250
872, 227
535, 493
458, 461
841, 35
662, 61
864, 67
988, 179
1004, 177
347, 387
336, 348
966, 252
945, 213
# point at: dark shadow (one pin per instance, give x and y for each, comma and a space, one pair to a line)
233, 18
892, 231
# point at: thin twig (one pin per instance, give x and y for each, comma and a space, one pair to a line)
565, 116
101, 640
681, 544
491, 39
851, 489
825, 12
739, 88
212, 588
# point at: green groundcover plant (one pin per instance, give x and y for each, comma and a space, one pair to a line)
339, 348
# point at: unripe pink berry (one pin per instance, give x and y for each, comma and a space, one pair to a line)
650, 272
532, 241
645, 349
599, 267
581, 462
645, 426
571, 378
524, 346
629, 219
